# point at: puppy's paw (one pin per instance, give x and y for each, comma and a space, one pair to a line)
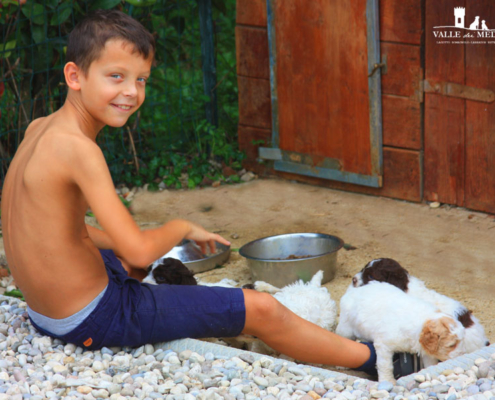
261, 286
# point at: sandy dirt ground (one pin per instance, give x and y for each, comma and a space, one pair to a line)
450, 248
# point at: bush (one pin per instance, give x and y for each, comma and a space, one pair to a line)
169, 136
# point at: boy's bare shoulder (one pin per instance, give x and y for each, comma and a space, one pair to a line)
57, 150
68, 144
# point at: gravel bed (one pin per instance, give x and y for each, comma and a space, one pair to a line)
37, 367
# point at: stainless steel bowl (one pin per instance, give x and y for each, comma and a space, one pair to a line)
284, 259
192, 257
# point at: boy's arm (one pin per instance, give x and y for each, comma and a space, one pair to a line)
140, 248
99, 238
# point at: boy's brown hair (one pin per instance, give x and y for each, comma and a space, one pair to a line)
88, 38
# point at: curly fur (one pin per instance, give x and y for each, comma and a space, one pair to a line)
309, 300
396, 322
173, 272
383, 270
170, 271
390, 271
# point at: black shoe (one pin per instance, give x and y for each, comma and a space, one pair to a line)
405, 364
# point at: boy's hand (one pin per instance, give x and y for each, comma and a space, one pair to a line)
202, 238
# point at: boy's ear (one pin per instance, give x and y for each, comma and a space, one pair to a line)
72, 74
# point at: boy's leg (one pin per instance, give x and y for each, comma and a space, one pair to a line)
295, 337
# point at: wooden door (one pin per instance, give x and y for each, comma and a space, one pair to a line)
459, 165
326, 109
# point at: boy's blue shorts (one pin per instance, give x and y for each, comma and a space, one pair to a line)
132, 313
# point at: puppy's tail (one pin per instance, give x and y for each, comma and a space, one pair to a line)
316, 279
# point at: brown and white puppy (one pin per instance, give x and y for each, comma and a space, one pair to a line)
173, 272
398, 323
169, 271
390, 271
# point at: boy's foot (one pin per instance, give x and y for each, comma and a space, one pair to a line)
406, 364
369, 366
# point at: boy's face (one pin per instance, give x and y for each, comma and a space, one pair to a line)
114, 86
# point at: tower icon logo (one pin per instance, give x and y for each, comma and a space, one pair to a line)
478, 24
460, 13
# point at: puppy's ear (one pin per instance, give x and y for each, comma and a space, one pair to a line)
437, 338
464, 317
387, 270
398, 278
429, 337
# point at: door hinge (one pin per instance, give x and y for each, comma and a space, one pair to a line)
459, 91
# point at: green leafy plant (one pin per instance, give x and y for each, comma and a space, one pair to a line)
203, 163
15, 293
168, 137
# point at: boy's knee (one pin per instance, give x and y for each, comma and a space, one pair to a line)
267, 306
262, 311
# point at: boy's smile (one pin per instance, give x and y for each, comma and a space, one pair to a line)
114, 86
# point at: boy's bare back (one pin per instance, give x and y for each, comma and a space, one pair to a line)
52, 258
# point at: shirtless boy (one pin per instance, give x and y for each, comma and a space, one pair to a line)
74, 284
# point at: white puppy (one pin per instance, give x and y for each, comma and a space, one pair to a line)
390, 271
396, 322
309, 300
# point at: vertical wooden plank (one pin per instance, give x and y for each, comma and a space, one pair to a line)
322, 83
254, 102
480, 117
252, 52
251, 12
404, 72
402, 122
401, 21
444, 138
444, 149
